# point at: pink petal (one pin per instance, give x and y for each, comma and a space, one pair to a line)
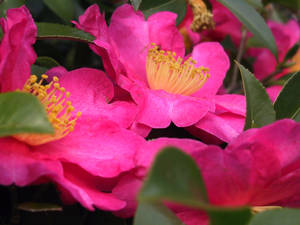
273, 92
16, 51
58, 71
182, 106
231, 103
96, 145
225, 126
193, 217
132, 47
212, 56
89, 88
20, 166
164, 33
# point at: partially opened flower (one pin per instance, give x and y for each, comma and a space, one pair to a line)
148, 61
83, 140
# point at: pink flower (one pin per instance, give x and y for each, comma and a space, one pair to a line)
163, 95
225, 24
286, 36
261, 167
90, 144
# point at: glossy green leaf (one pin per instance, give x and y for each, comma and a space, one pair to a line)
59, 31
7, 4
155, 213
260, 111
22, 113
175, 177
253, 21
63, 8
277, 217
287, 104
136, 3
39, 207
150, 7
183, 183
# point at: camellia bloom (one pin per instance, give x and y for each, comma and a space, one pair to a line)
260, 168
286, 36
83, 141
148, 61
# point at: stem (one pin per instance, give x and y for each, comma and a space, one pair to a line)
239, 56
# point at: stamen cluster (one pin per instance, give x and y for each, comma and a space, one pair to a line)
60, 112
166, 72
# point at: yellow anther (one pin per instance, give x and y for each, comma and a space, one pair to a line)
78, 114
67, 94
44, 76
33, 79
55, 79
56, 85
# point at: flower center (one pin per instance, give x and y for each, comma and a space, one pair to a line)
165, 72
60, 112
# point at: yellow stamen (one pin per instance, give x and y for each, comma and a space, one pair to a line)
259, 209
165, 72
203, 18
60, 112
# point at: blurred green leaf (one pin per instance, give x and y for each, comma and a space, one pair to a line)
292, 4
253, 21
256, 4
22, 113
277, 217
150, 7
254, 43
38, 70
39, 207
175, 177
63, 8
287, 104
46, 62
136, 3
7, 4
183, 183
260, 111
59, 31
155, 213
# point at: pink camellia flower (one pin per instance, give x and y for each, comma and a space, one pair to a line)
260, 168
166, 86
286, 36
88, 151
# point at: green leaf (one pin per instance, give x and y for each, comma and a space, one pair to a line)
59, 31
183, 183
287, 104
7, 4
136, 4
277, 217
39, 207
292, 4
155, 213
46, 62
253, 21
256, 4
22, 113
239, 216
292, 52
175, 177
63, 8
260, 111
38, 70
150, 7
